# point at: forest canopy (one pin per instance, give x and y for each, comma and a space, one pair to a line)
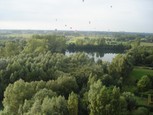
36, 77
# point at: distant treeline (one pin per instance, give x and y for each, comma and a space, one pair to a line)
100, 48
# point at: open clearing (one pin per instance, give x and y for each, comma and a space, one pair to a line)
146, 44
138, 72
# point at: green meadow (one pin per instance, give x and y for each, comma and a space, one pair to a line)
138, 72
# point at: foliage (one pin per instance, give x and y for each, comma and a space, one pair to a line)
73, 104
144, 83
37, 78
47, 66
130, 100
141, 111
55, 105
103, 101
11, 49
142, 55
120, 68
36, 46
34, 97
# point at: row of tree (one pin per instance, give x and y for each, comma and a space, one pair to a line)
38, 44
40, 97
99, 48
142, 55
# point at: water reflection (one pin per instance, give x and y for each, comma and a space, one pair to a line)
97, 55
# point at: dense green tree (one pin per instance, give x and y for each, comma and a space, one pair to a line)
41, 94
10, 49
149, 60
130, 100
15, 95
55, 105
108, 101
141, 55
123, 105
26, 107
98, 97
35, 109
141, 111
36, 46
67, 85
120, 67
107, 80
115, 101
144, 83
73, 104
56, 43
103, 101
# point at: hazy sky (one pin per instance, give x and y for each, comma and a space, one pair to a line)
99, 15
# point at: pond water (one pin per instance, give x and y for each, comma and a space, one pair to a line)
96, 56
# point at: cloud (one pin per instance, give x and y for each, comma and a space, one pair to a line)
41, 14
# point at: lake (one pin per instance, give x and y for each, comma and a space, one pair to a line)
96, 56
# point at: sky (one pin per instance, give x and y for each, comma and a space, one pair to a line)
86, 15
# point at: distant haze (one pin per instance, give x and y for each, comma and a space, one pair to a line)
94, 15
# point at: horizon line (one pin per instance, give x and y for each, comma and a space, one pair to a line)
77, 30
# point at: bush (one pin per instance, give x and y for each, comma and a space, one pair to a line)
144, 83
141, 111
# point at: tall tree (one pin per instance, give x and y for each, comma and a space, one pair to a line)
98, 98
73, 104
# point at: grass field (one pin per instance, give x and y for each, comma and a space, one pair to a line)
135, 75
142, 101
138, 72
146, 44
